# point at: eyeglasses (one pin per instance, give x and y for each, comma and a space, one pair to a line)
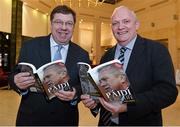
69, 24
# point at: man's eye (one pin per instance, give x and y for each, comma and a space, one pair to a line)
115, 24
126, 21
69, 23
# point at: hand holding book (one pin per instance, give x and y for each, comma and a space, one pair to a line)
50, 78
114, 108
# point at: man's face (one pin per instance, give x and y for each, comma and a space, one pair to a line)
112, 81
124, 26
51, 77
62, 27
109, 81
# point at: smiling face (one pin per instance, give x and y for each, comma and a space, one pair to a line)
62, 27
124, 25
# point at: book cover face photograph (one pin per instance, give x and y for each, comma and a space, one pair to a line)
55, 78
112, 82
112, 77
55, 74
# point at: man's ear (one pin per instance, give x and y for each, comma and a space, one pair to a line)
137, 24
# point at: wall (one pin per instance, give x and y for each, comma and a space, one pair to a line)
5, 15
34, 23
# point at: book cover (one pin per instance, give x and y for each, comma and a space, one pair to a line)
111, 82
50, 77
86, 85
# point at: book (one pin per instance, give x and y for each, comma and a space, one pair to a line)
108, 80
86, 84
49, 78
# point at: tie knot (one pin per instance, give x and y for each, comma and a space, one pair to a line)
123, 49
57, 55
59, 47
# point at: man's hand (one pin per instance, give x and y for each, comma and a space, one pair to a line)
23, 80
88, 101
66, 95
113, 107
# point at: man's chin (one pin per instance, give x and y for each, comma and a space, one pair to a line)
63, 42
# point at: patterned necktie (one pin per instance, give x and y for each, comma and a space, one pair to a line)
106, 118
121, 56
57, 55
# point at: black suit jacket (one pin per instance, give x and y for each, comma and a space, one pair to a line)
151, 75
34, 109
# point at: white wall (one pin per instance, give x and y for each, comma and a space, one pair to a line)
5, 15
34, 23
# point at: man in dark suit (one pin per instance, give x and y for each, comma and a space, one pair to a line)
34, 108
150, 71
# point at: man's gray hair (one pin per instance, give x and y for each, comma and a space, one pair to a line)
131, 11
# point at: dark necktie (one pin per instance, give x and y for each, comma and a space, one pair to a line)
106, 118
57, 55
121, 55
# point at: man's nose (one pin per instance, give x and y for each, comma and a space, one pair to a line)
121, 26
64, 26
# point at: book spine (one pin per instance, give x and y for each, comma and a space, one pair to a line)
97, 88
40, 86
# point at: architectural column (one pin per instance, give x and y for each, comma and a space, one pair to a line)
97, 43
76, 31
177, 29
16, 30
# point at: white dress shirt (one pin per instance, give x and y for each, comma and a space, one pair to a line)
54, 48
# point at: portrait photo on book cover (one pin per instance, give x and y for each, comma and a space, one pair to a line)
55, 77
112, 80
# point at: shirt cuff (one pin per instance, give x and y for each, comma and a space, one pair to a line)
23, 92
74, 101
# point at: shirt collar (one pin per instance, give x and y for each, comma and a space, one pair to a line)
54, 44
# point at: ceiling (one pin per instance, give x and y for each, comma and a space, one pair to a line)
46, 5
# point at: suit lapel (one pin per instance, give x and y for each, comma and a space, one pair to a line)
109, 56
70, 57
44, 50
136, 54
112, 52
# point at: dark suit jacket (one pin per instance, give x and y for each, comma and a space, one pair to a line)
34, 109
151, 75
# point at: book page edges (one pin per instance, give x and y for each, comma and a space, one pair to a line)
104, 64
30, 65
85, 64
51, 63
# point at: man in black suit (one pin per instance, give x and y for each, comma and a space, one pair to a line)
150, 71
62, 110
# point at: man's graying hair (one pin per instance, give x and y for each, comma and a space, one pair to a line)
132, 12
